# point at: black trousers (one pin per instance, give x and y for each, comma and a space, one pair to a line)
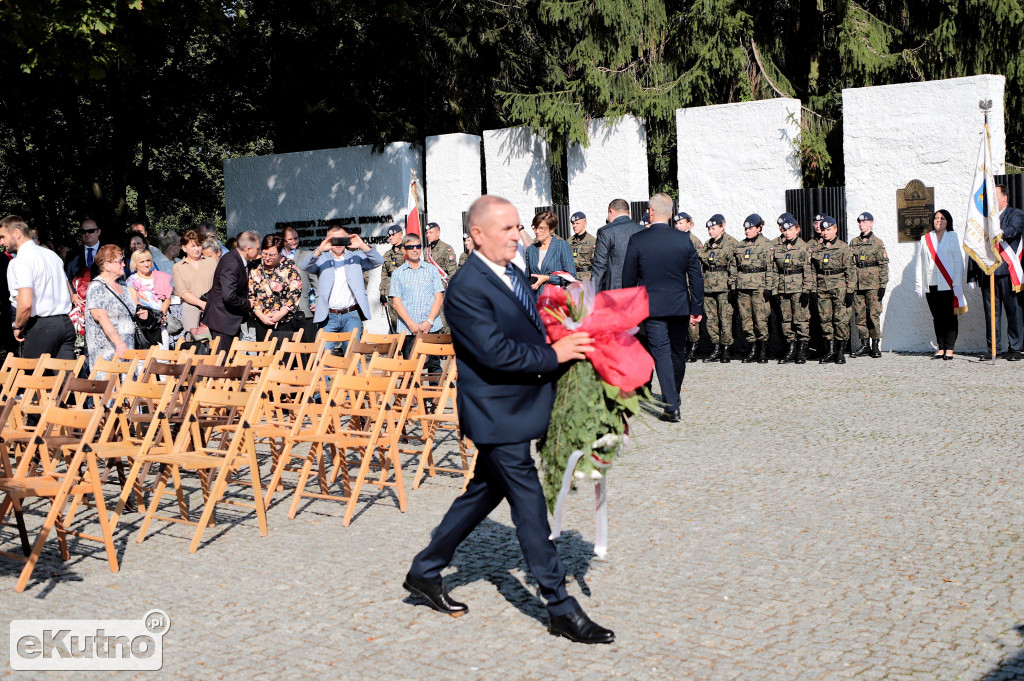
284, 330
1006, 300
54, 336
431, 366
225, 340
502, 472
666, 341
946, 324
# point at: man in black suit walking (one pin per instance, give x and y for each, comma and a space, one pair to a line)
610, 250
663, 259
507, 375
228, 305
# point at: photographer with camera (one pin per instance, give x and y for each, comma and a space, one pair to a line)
339, 262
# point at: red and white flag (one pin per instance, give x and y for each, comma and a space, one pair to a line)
412, 220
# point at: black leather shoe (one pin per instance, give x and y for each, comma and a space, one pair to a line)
579, 628
672, 416
1012, 356
436, 595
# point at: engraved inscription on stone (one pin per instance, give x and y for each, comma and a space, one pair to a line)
915, 206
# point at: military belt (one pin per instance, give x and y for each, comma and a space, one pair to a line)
831, 271
791, 270
752, 270
582, 269
867, 264
717, 269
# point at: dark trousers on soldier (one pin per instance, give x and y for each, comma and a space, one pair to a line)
54, 336
1006, 300
666, 340
940, 303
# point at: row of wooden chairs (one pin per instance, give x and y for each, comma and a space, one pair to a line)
187, 414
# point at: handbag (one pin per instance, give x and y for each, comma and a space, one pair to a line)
147, 331
199, 346
174, 325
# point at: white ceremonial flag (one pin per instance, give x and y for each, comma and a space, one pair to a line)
983, 231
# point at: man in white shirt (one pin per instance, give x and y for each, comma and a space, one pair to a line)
41, 292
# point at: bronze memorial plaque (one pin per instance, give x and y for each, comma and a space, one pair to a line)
915, 206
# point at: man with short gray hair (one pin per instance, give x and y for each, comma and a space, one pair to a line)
610, 249
227, 304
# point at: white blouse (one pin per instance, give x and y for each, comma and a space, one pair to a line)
952, 257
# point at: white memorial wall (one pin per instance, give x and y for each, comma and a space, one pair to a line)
738, 159
612, 166
931, 132
734, 159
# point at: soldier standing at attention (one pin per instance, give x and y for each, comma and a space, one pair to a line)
442, 253
582, 244
812, 245
755, 285
468, 242
872, 277
795, 283
393, 259
835, 280
719, 269
684, 223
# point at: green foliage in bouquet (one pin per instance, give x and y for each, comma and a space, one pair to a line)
586, 408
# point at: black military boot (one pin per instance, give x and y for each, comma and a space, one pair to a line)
762, 352
752, 355
801, 353
862, 351
790, 353
830, 353
715, 355
840, 357
691, 351
725, 355
876, 352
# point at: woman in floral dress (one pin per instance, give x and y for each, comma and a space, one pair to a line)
274, 289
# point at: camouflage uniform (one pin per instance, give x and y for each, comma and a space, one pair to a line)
393, 259
693, 335
755, 277
463, 258
872, 274
444, 256
719, 279
795, 282
835, 276
582, 253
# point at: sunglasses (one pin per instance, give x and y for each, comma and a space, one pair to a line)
414, 247
90, 231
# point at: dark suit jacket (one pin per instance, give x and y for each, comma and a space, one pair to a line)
507, 371
610, 252
663, 259
75, 264
227, 304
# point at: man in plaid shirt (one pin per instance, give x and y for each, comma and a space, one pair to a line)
417, 293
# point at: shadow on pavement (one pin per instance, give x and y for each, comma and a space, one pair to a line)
1011, 669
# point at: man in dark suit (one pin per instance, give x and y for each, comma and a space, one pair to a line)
227, 304
82, 258
1011, 221
610, 251
664, 260
507, 375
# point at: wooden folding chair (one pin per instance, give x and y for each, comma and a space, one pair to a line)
119, 369
13, 367
302, 356
398, 338
48, 482
240, 348
228, 451
443, 415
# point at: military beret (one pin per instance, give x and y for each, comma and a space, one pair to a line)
715, 219
827, 221
578, 215
818, 217
865, 216
753, 220
433, 225
465, 236
786, 220
394, 229
682, 216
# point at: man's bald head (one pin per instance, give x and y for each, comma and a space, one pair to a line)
494, 228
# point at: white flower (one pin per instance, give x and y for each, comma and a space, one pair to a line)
606, 443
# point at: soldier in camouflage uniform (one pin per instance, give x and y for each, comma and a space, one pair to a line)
719, 270
468, 243
835, 280
795, 281
872, 278
755, 285
684, 223
393, 259
442, 253
583, 245
812, 245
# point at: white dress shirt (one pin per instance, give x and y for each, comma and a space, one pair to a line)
41, 270
497, 269
341, 292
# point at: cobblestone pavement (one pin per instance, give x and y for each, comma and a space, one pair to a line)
815, 522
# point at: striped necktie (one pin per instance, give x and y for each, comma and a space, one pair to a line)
524, 297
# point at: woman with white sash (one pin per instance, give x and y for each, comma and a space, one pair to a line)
940, 278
